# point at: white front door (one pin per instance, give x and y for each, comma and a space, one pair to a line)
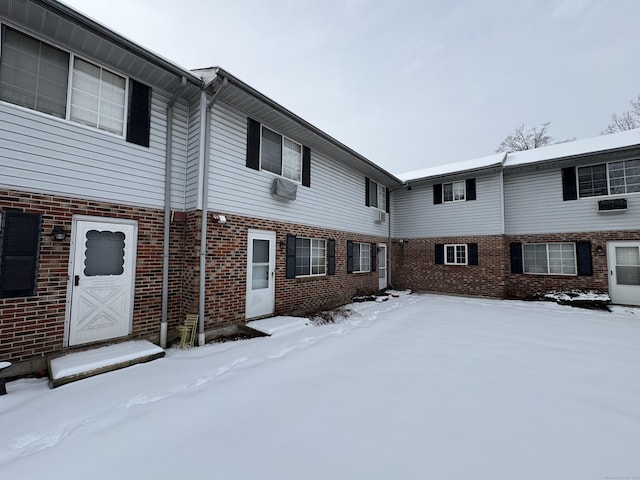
382, 266
102, 277
261, 267
624, 272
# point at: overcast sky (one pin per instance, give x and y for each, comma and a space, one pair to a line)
408, 84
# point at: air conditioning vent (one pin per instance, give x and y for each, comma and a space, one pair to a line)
378, 216
612, 205
284, 189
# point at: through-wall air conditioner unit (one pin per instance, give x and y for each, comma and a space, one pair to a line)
284, 189
612, 205
378, 216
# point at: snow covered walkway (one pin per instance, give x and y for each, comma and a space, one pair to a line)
419, 387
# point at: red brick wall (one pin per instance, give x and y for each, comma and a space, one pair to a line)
523, 286
32, 327
414, 267
227, 271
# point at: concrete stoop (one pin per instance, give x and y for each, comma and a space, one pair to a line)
88, 363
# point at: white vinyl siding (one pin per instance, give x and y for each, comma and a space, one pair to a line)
415, 216
533, 204
549, 258
43, 154
361, 257
335, 199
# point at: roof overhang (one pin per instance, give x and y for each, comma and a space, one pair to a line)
248, 100
69, 29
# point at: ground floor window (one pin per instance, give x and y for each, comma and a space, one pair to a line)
311, 257
455, 254
549, 258
361, 256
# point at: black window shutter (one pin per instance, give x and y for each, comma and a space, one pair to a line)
331, 257
253, 144
291, 256
439, 253
515, 251
388, 209
366, 191
306, 166
374, 256
139, 115
437, 193
470, 189
472, 253
19, 253
349, 256
583, 253
569, 190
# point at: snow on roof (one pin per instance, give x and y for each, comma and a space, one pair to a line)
578, 147
449, 168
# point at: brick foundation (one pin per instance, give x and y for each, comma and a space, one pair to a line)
33, 327
524, 286
227, 271
414, 267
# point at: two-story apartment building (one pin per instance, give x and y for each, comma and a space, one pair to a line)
562, 217
110, 154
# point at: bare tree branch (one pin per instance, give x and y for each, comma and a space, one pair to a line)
625, 121
526, 139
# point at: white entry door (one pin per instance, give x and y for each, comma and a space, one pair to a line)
382, 266
261, 268
624, 272
102, 280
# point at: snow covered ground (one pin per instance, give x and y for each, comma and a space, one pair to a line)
419, 387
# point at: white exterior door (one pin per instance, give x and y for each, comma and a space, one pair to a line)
102, 277
624, 272
382, 266
261, 268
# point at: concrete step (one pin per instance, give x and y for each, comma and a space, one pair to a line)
88, 363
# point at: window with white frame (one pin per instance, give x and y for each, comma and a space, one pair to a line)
455, 254
311, 257
281, 155
453, 192
97, 97
377, 195
609, 178
36, 75
33, 74
361, 257
549, 258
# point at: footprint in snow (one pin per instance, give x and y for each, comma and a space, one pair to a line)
37, 441
282, 352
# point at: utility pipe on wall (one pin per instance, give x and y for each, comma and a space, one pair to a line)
167, 214
203, 230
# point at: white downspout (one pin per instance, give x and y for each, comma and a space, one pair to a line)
205, 201
167, 214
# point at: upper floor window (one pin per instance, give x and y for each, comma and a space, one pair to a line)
97, 97
280, 155
459, 191
36, 75
549, 258
376, 195
33, 74
453, 192
609, 178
